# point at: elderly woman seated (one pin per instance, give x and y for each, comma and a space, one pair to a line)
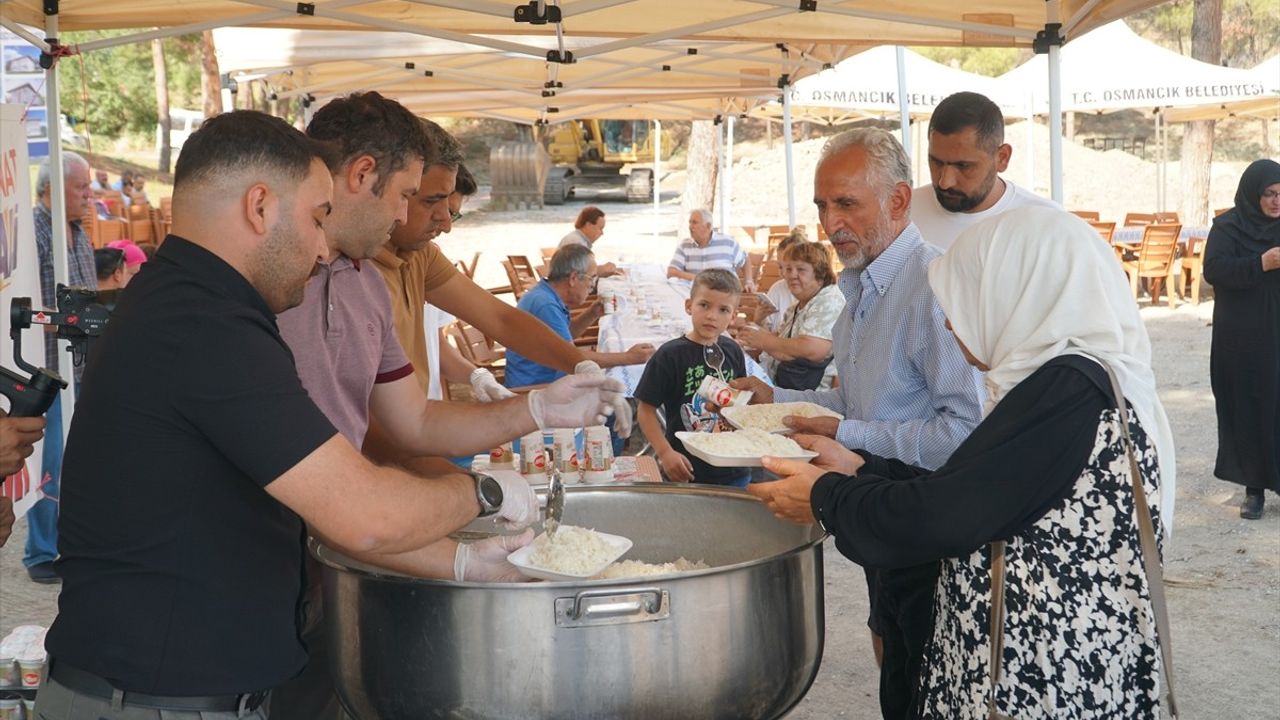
799, 355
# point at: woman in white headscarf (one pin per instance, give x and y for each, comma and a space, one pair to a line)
1036, 299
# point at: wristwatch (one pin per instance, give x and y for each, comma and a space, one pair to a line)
488, 493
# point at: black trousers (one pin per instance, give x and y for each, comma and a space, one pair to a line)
903, 617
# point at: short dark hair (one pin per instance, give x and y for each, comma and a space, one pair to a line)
445, 148
107, 260
816, 255
370, 124
716, 279
466, 184
970, 110
589, 215
247, 138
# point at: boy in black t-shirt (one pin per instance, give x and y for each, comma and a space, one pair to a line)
672, 376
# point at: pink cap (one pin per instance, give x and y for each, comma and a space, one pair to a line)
133, 254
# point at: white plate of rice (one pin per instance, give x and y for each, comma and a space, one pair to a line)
574, 553
768, 416
741, 448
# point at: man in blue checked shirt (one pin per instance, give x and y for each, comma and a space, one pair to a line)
905, 390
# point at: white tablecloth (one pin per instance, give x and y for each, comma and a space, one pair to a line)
650, 310
1133, 235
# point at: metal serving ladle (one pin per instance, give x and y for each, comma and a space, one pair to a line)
555, 496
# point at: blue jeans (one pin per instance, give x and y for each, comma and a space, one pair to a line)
738, 482
42, 518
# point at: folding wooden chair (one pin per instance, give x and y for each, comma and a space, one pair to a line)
1090, 215
770, 273
521, 273
1155, 262
478, 349
1167, 218
1138, 219
1105, 229
470, 272
140, 228
1192, 272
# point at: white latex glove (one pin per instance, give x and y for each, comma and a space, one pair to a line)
519, 501
486, 388
486, 560
618, 400
574, 401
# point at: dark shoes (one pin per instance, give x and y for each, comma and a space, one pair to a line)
43, 573
1251, 508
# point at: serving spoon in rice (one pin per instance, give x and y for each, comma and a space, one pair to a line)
555, 496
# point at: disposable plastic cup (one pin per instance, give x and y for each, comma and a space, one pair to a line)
9, 676
32, 672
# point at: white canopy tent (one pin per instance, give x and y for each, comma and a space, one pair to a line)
631, 24
1113, 68
1266, 107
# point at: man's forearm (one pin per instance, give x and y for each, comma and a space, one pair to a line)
453, 428
531, 338
453, 367
579, 325
433, 561
676, 273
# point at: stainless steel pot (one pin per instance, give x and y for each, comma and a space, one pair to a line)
740, 640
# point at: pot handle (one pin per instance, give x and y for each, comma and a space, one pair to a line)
613, 607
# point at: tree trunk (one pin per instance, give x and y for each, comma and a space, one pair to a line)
701, 169
210, 79
1197, 140
162, 104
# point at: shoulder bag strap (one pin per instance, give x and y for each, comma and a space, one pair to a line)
1150, 552
997, 625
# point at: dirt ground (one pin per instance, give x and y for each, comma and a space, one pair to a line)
1223, 573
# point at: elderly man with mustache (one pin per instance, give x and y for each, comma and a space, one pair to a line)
905, 388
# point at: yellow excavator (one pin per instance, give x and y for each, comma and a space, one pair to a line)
576, 154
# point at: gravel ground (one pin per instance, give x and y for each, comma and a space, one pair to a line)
1223, 573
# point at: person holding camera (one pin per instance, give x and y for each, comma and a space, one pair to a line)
42, 518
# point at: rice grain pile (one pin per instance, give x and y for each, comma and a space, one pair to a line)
744, 443
572, 550
635, 568
768, 417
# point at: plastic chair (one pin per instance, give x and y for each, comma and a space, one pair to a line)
1155, 262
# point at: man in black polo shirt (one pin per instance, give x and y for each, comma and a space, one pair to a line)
182, 568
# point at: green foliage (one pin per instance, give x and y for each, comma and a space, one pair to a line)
114, 88
1250, 29
983, 61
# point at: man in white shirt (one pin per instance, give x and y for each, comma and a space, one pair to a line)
967, 152
587, 229
706, 249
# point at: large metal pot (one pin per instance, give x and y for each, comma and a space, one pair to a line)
740, 640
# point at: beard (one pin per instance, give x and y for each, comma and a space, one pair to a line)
279, 271
957, 201
858, 252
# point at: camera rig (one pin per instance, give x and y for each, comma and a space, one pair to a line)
82, 315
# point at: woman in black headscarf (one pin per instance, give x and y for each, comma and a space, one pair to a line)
1242, 262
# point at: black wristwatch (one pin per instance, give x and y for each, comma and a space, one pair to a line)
488, 493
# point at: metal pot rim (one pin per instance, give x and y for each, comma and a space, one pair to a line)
314, 546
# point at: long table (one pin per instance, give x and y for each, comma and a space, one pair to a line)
1133, 235
650, 310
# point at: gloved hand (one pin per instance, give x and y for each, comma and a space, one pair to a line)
486, 560
575, 401
617, 400
519, 501
486, 388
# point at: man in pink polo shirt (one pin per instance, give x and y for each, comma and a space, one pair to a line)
354, 368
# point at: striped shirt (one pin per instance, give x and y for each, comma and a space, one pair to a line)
905, 391
80, 268
721, 251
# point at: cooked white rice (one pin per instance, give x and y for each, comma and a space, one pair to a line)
573, 551
744, 443
768, 417
635, 568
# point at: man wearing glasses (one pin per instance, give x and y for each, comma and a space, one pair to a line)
570, 280
417, 272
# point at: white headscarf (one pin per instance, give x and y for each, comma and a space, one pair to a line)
1034, 283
